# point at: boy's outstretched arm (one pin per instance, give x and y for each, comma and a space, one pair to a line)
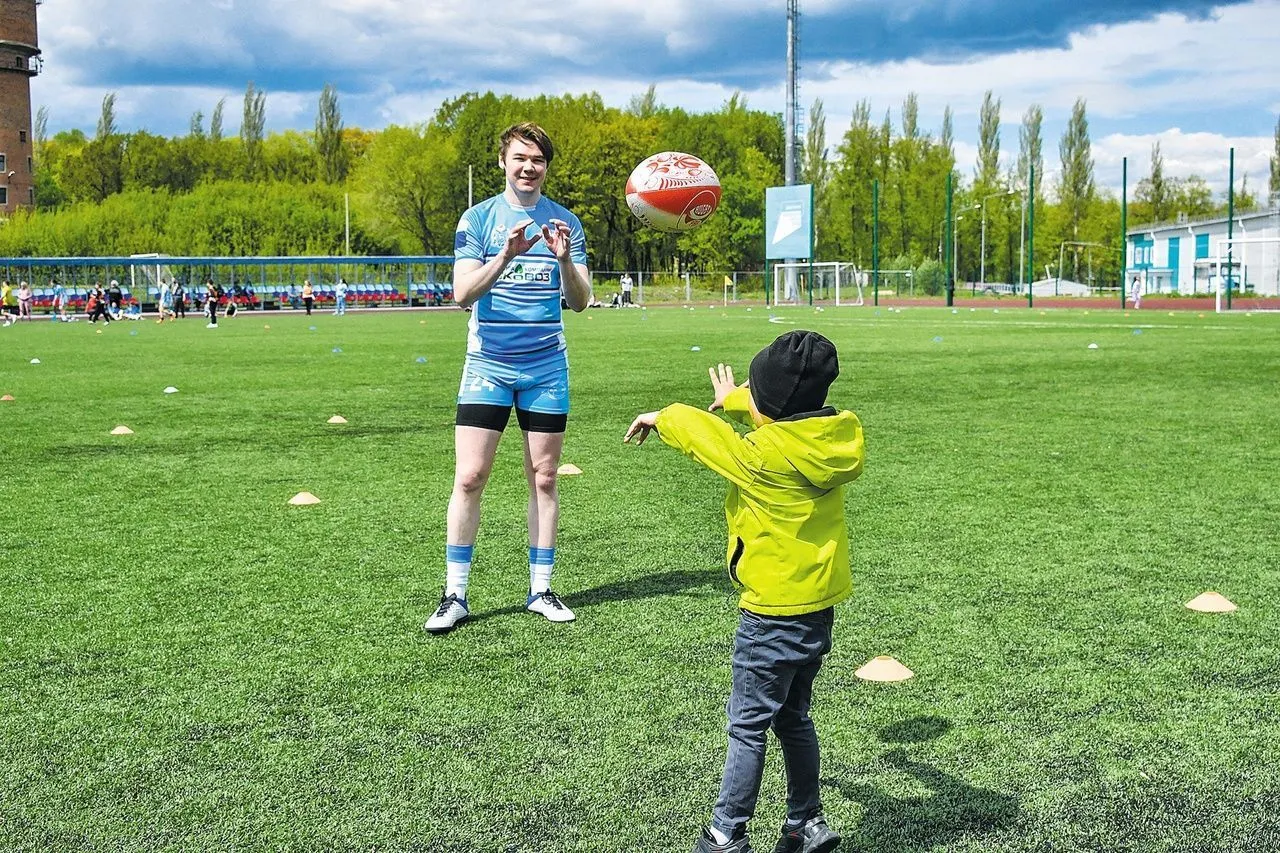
702, 436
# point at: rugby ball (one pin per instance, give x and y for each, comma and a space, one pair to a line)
672, 191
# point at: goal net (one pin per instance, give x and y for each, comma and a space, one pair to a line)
1250, 267
145, 278
834, 282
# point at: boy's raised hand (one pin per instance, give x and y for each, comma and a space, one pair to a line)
722, 384
641, 426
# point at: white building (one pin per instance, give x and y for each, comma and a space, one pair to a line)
1188, 257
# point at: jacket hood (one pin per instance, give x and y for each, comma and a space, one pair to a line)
825, 447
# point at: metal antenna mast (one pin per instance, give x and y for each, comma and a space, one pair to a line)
793, 14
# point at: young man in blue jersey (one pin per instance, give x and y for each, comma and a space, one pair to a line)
515, 255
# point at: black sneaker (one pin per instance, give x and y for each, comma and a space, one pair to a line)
812, 836
708, 844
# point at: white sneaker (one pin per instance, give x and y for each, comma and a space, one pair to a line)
549, 605
212, 326
451, 611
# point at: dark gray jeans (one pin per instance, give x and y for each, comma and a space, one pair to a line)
775, 660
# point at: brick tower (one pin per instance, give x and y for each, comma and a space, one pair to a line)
19, 62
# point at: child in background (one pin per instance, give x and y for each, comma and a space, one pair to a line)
211, 297
788, 553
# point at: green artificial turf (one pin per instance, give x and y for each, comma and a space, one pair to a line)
189, 663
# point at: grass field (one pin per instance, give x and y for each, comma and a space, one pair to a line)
188, 663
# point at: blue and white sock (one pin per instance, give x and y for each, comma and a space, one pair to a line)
542, 562
457, 561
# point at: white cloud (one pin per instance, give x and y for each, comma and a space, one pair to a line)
1160, 76
1204, 154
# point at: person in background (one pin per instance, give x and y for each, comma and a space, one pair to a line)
8, 303
115, 299
179, 300
308, 295
625, 284
211, 296
165, 300
24, 300
97, 305
340, 297
59, 303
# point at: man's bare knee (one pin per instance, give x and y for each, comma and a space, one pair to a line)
544, 480
471, 482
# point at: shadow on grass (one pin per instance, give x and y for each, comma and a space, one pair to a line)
646, 586
951, 809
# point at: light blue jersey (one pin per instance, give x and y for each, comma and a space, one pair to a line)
519, 319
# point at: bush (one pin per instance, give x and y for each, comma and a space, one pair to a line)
931, 278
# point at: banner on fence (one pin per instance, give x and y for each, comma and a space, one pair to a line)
788, 222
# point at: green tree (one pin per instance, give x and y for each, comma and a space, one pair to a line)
1030, 148
404, 179
107, 118
988, 171
646, 105
155, 162
251, 130
815, 169
1273, 186
1194, 197
1155, 194
289, 157
330, 151
1075, 185
847, 230
215, 121
948, 138
40, 137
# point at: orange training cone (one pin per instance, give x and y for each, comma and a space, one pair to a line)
1211, 602
884, 668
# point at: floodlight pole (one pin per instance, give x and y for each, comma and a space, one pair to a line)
875, 242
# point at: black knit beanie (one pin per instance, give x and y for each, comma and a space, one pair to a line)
792, 374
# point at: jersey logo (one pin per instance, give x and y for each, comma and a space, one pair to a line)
523, 271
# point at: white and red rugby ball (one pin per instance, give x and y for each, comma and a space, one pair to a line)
673, 191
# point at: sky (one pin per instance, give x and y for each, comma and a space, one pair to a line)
1197, 77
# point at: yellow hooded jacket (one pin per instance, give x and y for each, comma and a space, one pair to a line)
788, 541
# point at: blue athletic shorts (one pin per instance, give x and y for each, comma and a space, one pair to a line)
541, 387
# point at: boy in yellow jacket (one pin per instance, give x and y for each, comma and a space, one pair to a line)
788, 553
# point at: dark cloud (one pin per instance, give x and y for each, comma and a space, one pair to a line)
748, 49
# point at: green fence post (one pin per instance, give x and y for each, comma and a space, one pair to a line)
875, 241
950, 279
1124, 224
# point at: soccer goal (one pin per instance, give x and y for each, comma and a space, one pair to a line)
832, 281
144, 279
1251, 267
